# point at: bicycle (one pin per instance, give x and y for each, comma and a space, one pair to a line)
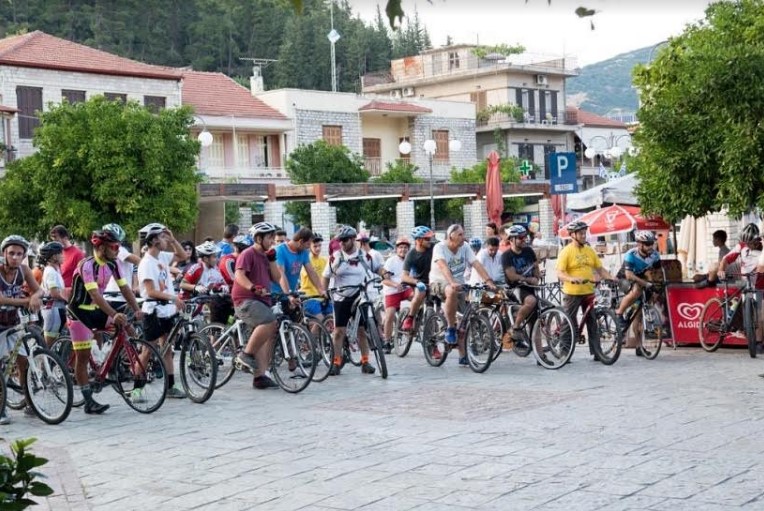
47, 385
322, 337
472, 326
403, 339
496, 311
721, 316
651, 333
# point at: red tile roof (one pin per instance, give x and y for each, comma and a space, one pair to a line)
217, 94
394, 107
591, 119
40, 50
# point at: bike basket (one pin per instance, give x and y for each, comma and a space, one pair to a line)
491, 298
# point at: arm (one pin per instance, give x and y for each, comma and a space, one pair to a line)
35, 300
630, 275
477, 266
156, 294
408, 279
275, 272
282, 280
446, 273
180, 252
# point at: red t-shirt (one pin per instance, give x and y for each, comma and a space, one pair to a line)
257, 269
72, 257
227, 267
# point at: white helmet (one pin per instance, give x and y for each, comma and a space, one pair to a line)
644, 236
207, 248
262, 228
152, 228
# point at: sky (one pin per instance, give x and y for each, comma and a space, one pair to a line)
620, 25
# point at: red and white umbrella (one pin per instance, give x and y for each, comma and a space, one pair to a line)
617, 219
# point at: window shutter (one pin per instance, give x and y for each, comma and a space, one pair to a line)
441, 146
154, 103
73, 96
29, 102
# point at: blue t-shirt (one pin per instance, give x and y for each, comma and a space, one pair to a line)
635, 263
292, 264
225, 248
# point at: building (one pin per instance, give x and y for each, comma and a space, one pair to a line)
600, 146
374, 127
519, 99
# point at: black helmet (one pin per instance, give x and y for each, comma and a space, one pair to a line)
50, 249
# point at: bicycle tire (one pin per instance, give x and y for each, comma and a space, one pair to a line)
3, 397
48, 389
376, 345
296, 379
712, 328
130, 369
497, 325
324, 345
198, 368
521, 350
553, 338
403, 339
608, 342
433, 339
226, 350
479, 343
749, 325
651, 337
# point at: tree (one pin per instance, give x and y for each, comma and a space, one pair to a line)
476, 174
700, 138
382, 212
102, 161
320, 162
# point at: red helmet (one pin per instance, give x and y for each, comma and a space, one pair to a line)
98, 238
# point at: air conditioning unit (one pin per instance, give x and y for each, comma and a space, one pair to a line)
541, 80
408, 92
395, 94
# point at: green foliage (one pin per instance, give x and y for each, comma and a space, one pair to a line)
231, 212
501, 49
382, 212
99, 162
509, 109
320, 162
19, 479
701, 142
476, 174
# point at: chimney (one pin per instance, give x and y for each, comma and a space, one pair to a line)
256, 81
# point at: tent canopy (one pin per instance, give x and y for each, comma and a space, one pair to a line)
617, 191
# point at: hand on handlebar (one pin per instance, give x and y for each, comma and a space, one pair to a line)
179, 303
35, 303
532, 281
139, 315
120, 319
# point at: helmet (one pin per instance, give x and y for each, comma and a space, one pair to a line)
476, 243
50, 249
516, 231
363, 236
346, 232
749, 233
421, 231
644, 236
115, 229
207, 248
402, 240
243, 241
317, 237
98, 238
262, 228
576, 225
14, 239
147, 230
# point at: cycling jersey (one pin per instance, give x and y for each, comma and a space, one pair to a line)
748, 260
227, 268
92, 273
200, 275
638, 264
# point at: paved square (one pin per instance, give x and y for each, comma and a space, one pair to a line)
680, 432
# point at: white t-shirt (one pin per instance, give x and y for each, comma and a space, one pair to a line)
52, 279
492, 266
393, 265
157, 269
456, 262
349, 271
126, 270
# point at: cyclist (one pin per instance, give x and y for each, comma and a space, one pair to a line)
578, 262
633, 273
416, 270
317, 307
54, 312
88, 310
225, 245
349, 266
72, 254
156, 282
364, 243
227, 263
490, 258
747, 251
449, 261
292, 257
280, 237
256, 269
520, 266
13, 276
203, 277
393, 290
127, 261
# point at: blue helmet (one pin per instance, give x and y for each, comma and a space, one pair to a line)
476, 243
421, 231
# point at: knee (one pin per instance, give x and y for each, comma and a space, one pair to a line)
530, 301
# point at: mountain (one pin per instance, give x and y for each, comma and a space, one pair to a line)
606, 85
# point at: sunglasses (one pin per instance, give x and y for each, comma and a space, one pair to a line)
113, 246
648, 244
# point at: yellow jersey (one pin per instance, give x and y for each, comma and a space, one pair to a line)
318, 263
578, 263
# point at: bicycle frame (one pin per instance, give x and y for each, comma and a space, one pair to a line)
25, 319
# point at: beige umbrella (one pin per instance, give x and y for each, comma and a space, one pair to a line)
686, 243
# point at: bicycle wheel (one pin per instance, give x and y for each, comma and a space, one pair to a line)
293, 369
48, 387
198, 368
226, 348
553, 338
141, 378
375, 345
651, 340
324, 347
497, 325
712, 328
434, 339
403, 339
607, 344
3, 396
518, 348
479, 343
749, 325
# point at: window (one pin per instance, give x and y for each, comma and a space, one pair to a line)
242, 151
441, 146
332, 134
453, 60
29, 102
154, 103
548, 149
261, 151
216, 152
372, 155
525, 152
113, 96
73, 96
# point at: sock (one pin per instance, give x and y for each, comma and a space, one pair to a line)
364, 359
171, 380
338, 361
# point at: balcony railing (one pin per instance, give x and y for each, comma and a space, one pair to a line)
244, 174
568, 119
373, 165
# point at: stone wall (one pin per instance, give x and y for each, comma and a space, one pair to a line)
462, 130
323, 219
546, 219
309, 127
404, 218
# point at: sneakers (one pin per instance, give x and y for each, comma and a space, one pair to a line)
388, 347
93, 408
334, 371
638, 352
263, 382
138, 395
176, 392
5, 418
246, 362
621, 322
408, 324
463, 361
367, 368
451, 335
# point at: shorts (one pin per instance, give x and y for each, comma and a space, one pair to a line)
315, 307
254, 313
8, 342
438, 289
53, 319
82, 322
155, 327
343, 311
221, 308
523, 292
395, 300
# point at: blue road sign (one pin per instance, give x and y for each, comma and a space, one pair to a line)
562, 173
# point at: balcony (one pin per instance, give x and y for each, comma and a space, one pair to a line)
528, 121
246, 174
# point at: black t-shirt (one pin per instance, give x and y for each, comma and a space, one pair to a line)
522, 263
418, 264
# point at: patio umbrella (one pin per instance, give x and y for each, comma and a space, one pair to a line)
494, 202
617, 219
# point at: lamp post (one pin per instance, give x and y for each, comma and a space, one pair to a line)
204, 137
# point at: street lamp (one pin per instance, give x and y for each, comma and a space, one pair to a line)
205, 137
610, 149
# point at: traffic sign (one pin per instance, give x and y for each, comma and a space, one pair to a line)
562, 173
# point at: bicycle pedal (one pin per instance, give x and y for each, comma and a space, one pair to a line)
241, 367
